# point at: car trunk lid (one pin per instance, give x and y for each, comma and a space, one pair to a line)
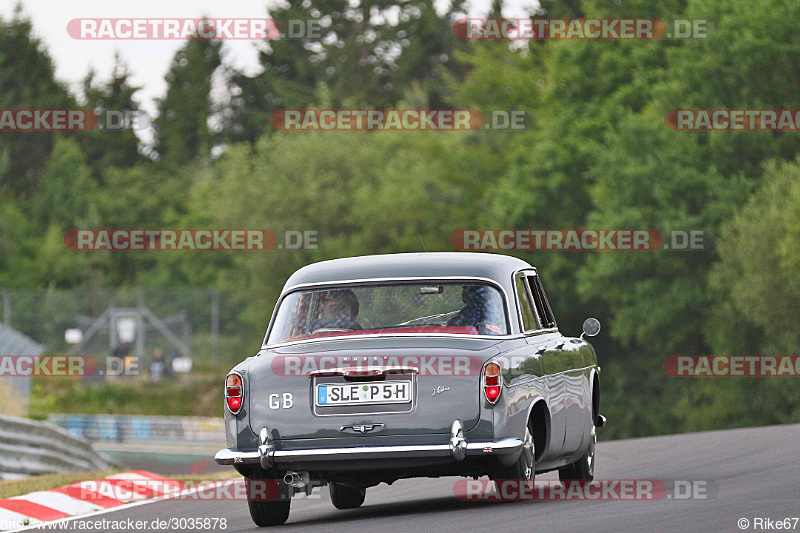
377, 387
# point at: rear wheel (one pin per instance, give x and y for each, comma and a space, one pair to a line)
268, 512
345, 496
583, 470
524, 469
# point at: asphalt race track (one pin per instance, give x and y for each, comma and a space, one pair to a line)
749, 473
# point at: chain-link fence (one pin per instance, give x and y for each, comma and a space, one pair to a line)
134, 330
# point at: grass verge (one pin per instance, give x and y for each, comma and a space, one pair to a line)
200, 395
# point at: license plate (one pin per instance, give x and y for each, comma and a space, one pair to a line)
364, 393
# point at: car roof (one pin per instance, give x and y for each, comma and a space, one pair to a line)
495, 267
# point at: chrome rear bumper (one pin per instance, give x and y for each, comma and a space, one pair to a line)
229, 456
457, 448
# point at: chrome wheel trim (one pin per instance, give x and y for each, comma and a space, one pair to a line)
528, 453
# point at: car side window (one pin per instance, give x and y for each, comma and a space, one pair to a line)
528, 317
540, 300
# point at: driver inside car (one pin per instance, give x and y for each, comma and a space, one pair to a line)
338, 311
483, 310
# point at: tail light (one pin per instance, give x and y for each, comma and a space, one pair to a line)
234, 393
492, 382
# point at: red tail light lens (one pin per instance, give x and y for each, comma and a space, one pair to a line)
492, 393
492, 384
234, 391
234, 404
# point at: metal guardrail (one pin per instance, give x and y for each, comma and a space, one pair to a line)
30, 447
143, 429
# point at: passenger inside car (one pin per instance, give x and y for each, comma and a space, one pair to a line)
338, 311
483, 310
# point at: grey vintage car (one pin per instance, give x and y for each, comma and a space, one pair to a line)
385, 367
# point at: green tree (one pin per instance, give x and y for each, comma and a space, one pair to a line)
362, 192
140, 197
18, 268
182, 126
27, 81
111, 148
359, 56
67, 199
67, 190
759, 257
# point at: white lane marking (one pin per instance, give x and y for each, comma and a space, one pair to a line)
9, 517
134, 476
129, 505
60, 502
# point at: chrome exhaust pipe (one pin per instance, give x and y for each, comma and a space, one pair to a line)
297, 480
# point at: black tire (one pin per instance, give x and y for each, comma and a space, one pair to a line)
345, 496
268, 512
583, 470
524, 469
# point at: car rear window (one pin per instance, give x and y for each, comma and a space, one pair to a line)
423, 308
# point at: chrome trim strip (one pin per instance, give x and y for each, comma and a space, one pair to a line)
384, 280
363, 452
517, 301
498, 447
231, 456
536, 331
352, 371
363, 428
461, 336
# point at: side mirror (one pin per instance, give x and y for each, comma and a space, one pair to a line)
591, 327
